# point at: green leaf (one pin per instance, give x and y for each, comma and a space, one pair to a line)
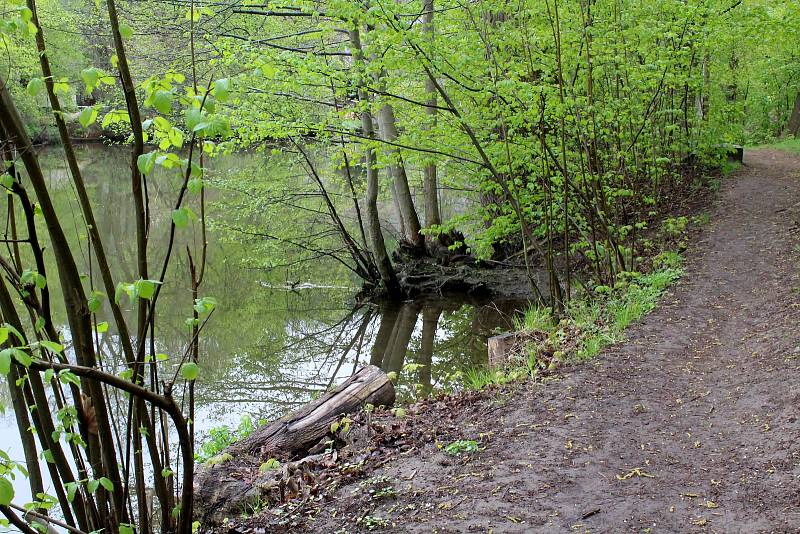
6, 492
35, 86
22, 357
58, 348
122, 288
176, 137
5, 361
107, 484
162, 101
91, 77
145, 288
146, 162
222, 89
14, 331
125, 31
195, 185
190, 371
3, 334
72, 489
93, 485
205, 305
68, 377
94, 302
124, 528
102, 327
115, 116
181, 217
193, 14
7, 181
30, 277
61, 88
193, 117
87, 117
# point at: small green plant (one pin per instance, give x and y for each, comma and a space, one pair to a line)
477, 378
372, 522
255, 506
589, 323
270, 465
675, 226
462, 446
221, 437
702, 219
538, 318
379, 488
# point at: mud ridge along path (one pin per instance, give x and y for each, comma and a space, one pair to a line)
692, 425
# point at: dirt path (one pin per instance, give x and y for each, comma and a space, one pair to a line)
703, 401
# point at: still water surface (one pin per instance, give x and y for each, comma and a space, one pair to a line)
267, 349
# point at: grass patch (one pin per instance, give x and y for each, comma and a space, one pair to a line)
590, 324
789, 144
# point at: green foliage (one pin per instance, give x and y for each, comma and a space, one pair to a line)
190, 371
222, 436
461, 446
270, 465
789, 144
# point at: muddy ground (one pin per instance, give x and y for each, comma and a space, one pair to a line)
689, 426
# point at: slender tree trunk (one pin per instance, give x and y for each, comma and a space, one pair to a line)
430, 181
387, 125
793, 126
72, 290
397, 170
373, 222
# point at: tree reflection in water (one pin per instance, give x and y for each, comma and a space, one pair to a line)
439, 336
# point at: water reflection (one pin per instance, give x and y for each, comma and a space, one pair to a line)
438, 336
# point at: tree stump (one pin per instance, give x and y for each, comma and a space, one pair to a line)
502, 347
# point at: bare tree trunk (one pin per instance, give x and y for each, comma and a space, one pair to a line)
397, 170
378, 246
793, 125
429, 182
387, 125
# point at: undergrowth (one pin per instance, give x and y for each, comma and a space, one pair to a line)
222, 436
590, 324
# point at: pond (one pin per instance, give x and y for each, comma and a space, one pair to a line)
272, 344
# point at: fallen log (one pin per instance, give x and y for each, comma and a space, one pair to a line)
224, 488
